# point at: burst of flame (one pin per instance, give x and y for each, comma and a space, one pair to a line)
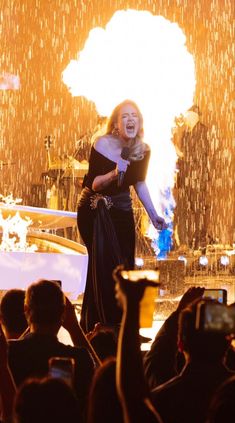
15, 226
14, 229
9, 200
142, 57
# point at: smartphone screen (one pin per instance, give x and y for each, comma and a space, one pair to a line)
62, 368
219, 295
217, 318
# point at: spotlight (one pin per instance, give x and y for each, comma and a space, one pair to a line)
203, 261
139, 262
224, 260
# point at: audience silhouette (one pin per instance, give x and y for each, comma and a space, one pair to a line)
28, 357
187, 376
189, 393
12, 315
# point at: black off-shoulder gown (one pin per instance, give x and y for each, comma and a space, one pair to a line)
109, 235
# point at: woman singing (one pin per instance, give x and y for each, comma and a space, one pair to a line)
105, 218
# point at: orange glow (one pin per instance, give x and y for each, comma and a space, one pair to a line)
142, 57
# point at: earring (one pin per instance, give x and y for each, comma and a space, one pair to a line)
115, 131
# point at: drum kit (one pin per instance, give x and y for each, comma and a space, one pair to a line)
63, 180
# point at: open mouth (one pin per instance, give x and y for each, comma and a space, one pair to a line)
130, 127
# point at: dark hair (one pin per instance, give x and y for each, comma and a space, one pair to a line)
12, 311
104, 404
45, 401
45, 302
104, 342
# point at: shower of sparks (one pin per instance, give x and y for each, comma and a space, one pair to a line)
142, 57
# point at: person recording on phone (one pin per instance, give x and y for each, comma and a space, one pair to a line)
29, 356
119, 159
189, 394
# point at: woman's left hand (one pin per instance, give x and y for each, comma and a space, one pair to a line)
159, 223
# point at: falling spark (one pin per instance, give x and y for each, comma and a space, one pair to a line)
142, 57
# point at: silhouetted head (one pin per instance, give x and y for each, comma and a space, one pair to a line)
199, 344
45, 401
104, 404
12, 313
104, 342
44, 303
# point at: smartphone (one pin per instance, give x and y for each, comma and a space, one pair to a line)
136, 275
147, 303
215, 317
63, 368
219, 295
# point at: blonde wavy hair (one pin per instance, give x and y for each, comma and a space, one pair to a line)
138, 148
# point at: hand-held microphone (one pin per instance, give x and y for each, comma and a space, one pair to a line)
124, 155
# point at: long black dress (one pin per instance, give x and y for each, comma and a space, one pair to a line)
106, 224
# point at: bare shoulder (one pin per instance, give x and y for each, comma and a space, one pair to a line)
101, 144
106, 145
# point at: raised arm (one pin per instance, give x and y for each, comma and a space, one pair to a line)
131, 385
79, 339
145, 198
104, 145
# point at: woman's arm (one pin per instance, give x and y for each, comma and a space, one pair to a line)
144, 196
102, 181
104, 145
131, 384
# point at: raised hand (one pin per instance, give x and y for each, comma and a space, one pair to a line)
122, 165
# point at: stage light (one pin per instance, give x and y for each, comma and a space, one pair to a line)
203, 261
139, 262
224, 260
182, 258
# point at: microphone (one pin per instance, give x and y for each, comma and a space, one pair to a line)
124, 155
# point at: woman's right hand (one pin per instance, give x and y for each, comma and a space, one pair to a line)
122, 165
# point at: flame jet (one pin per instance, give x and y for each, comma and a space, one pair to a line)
143, 57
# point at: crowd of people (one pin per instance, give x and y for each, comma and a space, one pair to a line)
187, 375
